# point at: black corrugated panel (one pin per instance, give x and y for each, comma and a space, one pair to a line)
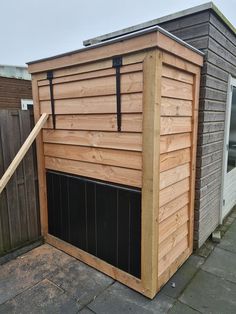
100, 218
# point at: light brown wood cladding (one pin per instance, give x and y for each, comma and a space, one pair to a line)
120, 158
86, 103
154, 150
175, 164
131, 103
113, 140
102, 172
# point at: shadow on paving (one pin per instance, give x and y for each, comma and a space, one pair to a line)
46, 280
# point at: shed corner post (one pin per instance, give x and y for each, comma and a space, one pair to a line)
40, 163
150, 179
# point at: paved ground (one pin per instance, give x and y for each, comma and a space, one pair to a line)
46, 280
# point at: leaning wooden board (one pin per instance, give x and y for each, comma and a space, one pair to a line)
154, 152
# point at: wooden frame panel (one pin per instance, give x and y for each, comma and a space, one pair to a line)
179, 210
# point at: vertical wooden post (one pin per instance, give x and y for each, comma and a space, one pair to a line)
40, 163
150, 180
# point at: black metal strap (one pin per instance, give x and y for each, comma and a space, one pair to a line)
50, 78
117, 63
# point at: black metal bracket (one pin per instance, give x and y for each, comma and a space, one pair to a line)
50, 78
117, 63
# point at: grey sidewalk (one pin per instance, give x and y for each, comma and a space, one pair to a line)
46, 280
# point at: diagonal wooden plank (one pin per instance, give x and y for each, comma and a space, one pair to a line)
14, 164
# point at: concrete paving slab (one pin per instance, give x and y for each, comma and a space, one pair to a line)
221, 263
80, 281
120, 299
86, 310
45, 297
180, 308
108, 303
27, 270
229, 240
208, 293
178, 282
232, 227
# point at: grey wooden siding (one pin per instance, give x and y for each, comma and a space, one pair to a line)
19, 210
208, 33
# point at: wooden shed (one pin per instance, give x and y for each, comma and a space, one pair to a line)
207, 29
116, 158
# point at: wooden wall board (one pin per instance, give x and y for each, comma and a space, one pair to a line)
131, 103
122, 140
131, 177
120, 158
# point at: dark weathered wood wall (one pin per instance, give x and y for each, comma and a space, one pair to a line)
12, 91
19, 209
208, 33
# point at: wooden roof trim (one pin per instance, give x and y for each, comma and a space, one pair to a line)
145, 40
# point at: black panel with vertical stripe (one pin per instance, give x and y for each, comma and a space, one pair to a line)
100, 218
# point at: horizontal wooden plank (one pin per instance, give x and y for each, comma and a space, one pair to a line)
175, 89
130, 103
95, 74
219, 24
171, 270
100, 53
77, 69
221, 51
199, 42
176, 74
115, 140
172, 257
107, 122
173, 125
173, 191
173, 222
93, 66
119, 158
195, 31
187, 21
173, 159
171, 207
176, 107
174, 175
169, 143
130, 83
179, 63
176, 48
113, 174
169, 243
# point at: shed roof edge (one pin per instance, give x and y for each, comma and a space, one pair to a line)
169, 17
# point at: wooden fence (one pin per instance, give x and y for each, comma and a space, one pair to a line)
19, 205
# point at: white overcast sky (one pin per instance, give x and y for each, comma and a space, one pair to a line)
33, 29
